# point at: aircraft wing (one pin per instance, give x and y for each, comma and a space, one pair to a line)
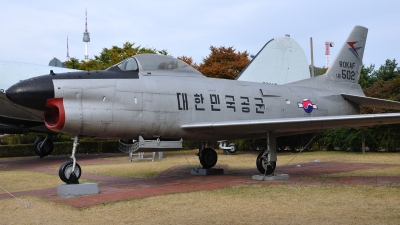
285, 126
372, 102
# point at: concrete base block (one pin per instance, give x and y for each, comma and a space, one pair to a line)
75, 190
201, 171
271, 177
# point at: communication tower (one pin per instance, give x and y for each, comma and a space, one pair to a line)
86, 39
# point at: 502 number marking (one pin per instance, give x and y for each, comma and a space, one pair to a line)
348, 75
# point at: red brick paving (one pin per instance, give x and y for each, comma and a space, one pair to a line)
178, 179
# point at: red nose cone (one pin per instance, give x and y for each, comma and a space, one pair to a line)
55, 119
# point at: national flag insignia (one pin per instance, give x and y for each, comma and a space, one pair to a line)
307, 105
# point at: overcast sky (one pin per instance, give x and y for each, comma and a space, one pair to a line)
36, 31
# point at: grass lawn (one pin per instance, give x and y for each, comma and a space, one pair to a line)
236, 205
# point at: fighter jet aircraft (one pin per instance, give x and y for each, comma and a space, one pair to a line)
16, 119
160, 101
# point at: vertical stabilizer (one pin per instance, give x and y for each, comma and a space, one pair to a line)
347, 65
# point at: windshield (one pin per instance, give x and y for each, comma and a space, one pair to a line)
128, 65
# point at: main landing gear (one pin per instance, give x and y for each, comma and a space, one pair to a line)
266, 161
43, 146
208, 157
70, 171
265, 166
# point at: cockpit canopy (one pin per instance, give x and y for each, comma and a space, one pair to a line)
157, 65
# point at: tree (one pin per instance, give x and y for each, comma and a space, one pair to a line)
388, 71
366, 77
73, 63
91, 65
349, 139
318, 71
224, 63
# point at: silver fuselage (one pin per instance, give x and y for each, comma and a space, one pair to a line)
157, 106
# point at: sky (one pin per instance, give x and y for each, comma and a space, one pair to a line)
36, 31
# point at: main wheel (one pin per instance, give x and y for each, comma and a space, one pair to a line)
208, 158
262, 165
233, 148
47, 147
66, 169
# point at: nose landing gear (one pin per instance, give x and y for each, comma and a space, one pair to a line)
70, 171
68, 174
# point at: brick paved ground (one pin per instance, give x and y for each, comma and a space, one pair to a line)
178, 179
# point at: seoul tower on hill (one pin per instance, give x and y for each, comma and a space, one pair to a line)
86, 39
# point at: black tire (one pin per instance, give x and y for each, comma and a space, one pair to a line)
47, 148
262, 165
208, 158
65, 171
233, 148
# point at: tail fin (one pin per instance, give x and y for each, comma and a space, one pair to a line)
347, 65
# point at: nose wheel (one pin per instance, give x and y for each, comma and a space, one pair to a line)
68, 174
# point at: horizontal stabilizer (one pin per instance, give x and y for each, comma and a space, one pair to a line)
372, 102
